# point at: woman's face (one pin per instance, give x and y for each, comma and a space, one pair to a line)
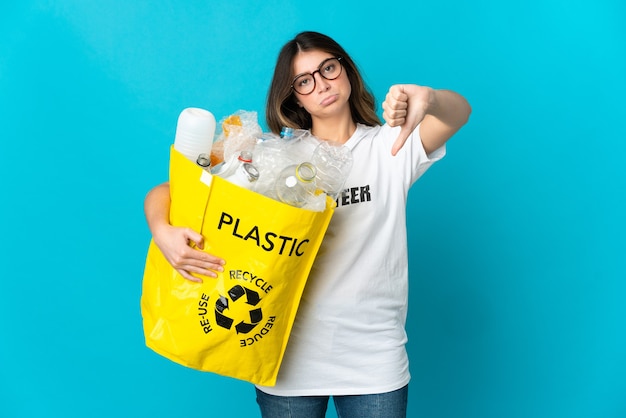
329, 97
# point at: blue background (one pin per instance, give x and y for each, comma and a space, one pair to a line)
516, 238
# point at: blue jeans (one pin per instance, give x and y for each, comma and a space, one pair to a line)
382, 405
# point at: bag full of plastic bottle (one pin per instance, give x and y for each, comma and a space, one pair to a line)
236, 324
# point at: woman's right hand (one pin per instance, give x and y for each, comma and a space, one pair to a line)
176, 245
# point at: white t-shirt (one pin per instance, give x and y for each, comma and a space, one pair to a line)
349, 334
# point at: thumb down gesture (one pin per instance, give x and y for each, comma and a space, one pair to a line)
406, 106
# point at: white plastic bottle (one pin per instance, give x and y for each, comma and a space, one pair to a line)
244, 176
194, 132
239, 170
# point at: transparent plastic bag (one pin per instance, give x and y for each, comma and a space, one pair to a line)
239, 132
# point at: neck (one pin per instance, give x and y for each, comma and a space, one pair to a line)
333, 129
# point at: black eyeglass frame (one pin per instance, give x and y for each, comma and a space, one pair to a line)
319, 70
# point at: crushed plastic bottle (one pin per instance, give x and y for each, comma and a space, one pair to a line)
333, 162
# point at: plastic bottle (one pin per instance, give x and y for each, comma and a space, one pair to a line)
239, 171
195, 130
286, 132
204, 161
333, 162
298, 144
245, 176
295, 184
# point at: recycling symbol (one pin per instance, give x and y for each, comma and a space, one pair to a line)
235, 294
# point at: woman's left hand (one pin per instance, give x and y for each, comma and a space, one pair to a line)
405, 105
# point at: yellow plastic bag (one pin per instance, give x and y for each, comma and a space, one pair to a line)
238, 324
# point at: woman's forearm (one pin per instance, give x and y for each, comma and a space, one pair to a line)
157, 207
450, 108
446, 113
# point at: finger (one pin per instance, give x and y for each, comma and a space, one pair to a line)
397, 92
400, 105
194, 237
194, 250
199, 271
195, 261
401, 140
391, 104
393, 120
202, 258
202, 266
395, 116
191, 272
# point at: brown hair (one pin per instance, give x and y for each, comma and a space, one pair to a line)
282, 109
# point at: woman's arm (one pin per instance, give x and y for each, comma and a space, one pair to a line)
174, 242
441, 114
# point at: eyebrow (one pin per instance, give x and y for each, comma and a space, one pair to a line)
318, 67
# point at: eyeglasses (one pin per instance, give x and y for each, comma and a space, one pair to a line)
329, 69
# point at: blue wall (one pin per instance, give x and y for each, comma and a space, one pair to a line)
517, 237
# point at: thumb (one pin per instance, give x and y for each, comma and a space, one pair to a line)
405, 131
195, 237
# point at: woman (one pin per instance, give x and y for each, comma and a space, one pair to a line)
348, 340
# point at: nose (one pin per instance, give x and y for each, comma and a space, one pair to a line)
321, 83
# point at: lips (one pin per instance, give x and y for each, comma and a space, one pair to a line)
329, 100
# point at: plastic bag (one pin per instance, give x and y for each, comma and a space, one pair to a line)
239, 132
238, 324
